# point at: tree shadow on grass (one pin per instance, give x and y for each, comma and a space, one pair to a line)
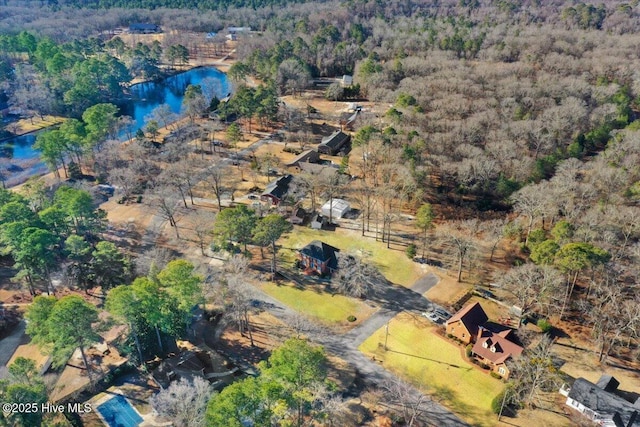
453, 365
443, 393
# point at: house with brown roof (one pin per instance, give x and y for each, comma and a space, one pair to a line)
464, 325
494, 348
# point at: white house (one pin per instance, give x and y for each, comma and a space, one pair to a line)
336, 208
600, 402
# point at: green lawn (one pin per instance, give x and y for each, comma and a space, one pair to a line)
326, 307
394, 264
437, 366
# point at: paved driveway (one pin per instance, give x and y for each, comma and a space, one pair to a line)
8, 346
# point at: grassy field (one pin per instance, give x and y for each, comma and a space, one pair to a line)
436, 365
394, 264
331, 309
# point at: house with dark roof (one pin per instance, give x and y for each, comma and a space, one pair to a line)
276, 190
465, 324
319, 257
494, 348
602, 404
142, 28
307, 156
322, 171
334, 143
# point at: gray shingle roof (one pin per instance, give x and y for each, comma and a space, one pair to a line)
322, 252
279, 187
603, 402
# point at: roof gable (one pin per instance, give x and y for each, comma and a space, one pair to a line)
279, 187
322, 252
335, 140
472, 316
495, 347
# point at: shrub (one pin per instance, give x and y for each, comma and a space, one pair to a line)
496, 403
495, 375
484, 366
544, 325
411, 251
468, 351
351, 318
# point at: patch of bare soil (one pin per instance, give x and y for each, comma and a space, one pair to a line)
579, 353
264, 329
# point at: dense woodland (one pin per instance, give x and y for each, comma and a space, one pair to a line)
505, 122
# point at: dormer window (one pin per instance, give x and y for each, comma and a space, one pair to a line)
487, 343
493, 349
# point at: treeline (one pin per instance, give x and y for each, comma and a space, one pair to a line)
44, 77
49, 232
175, 4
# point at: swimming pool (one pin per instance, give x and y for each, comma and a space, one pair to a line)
118, 412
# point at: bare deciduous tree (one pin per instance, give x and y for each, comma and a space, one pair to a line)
202, 225
461, 240
407, 400
217, 178
533, 286
166, 202
355, 277
184, 402
533, 373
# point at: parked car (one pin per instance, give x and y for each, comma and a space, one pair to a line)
443, 313
434, 317
485, 293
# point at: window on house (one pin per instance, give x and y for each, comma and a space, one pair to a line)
463, 335
493, 349
502, 371
485, 345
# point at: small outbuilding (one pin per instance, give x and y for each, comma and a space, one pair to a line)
318, 221
335, 208
297, 216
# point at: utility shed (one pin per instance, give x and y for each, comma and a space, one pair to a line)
335, 208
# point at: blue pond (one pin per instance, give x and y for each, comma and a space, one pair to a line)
118, 412
23, 160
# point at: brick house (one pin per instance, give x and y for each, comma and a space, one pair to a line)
319, 257
495, 348
465, 324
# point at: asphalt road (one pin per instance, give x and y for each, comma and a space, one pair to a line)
393, 299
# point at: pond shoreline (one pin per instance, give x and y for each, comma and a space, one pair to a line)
221, 64
21, 161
